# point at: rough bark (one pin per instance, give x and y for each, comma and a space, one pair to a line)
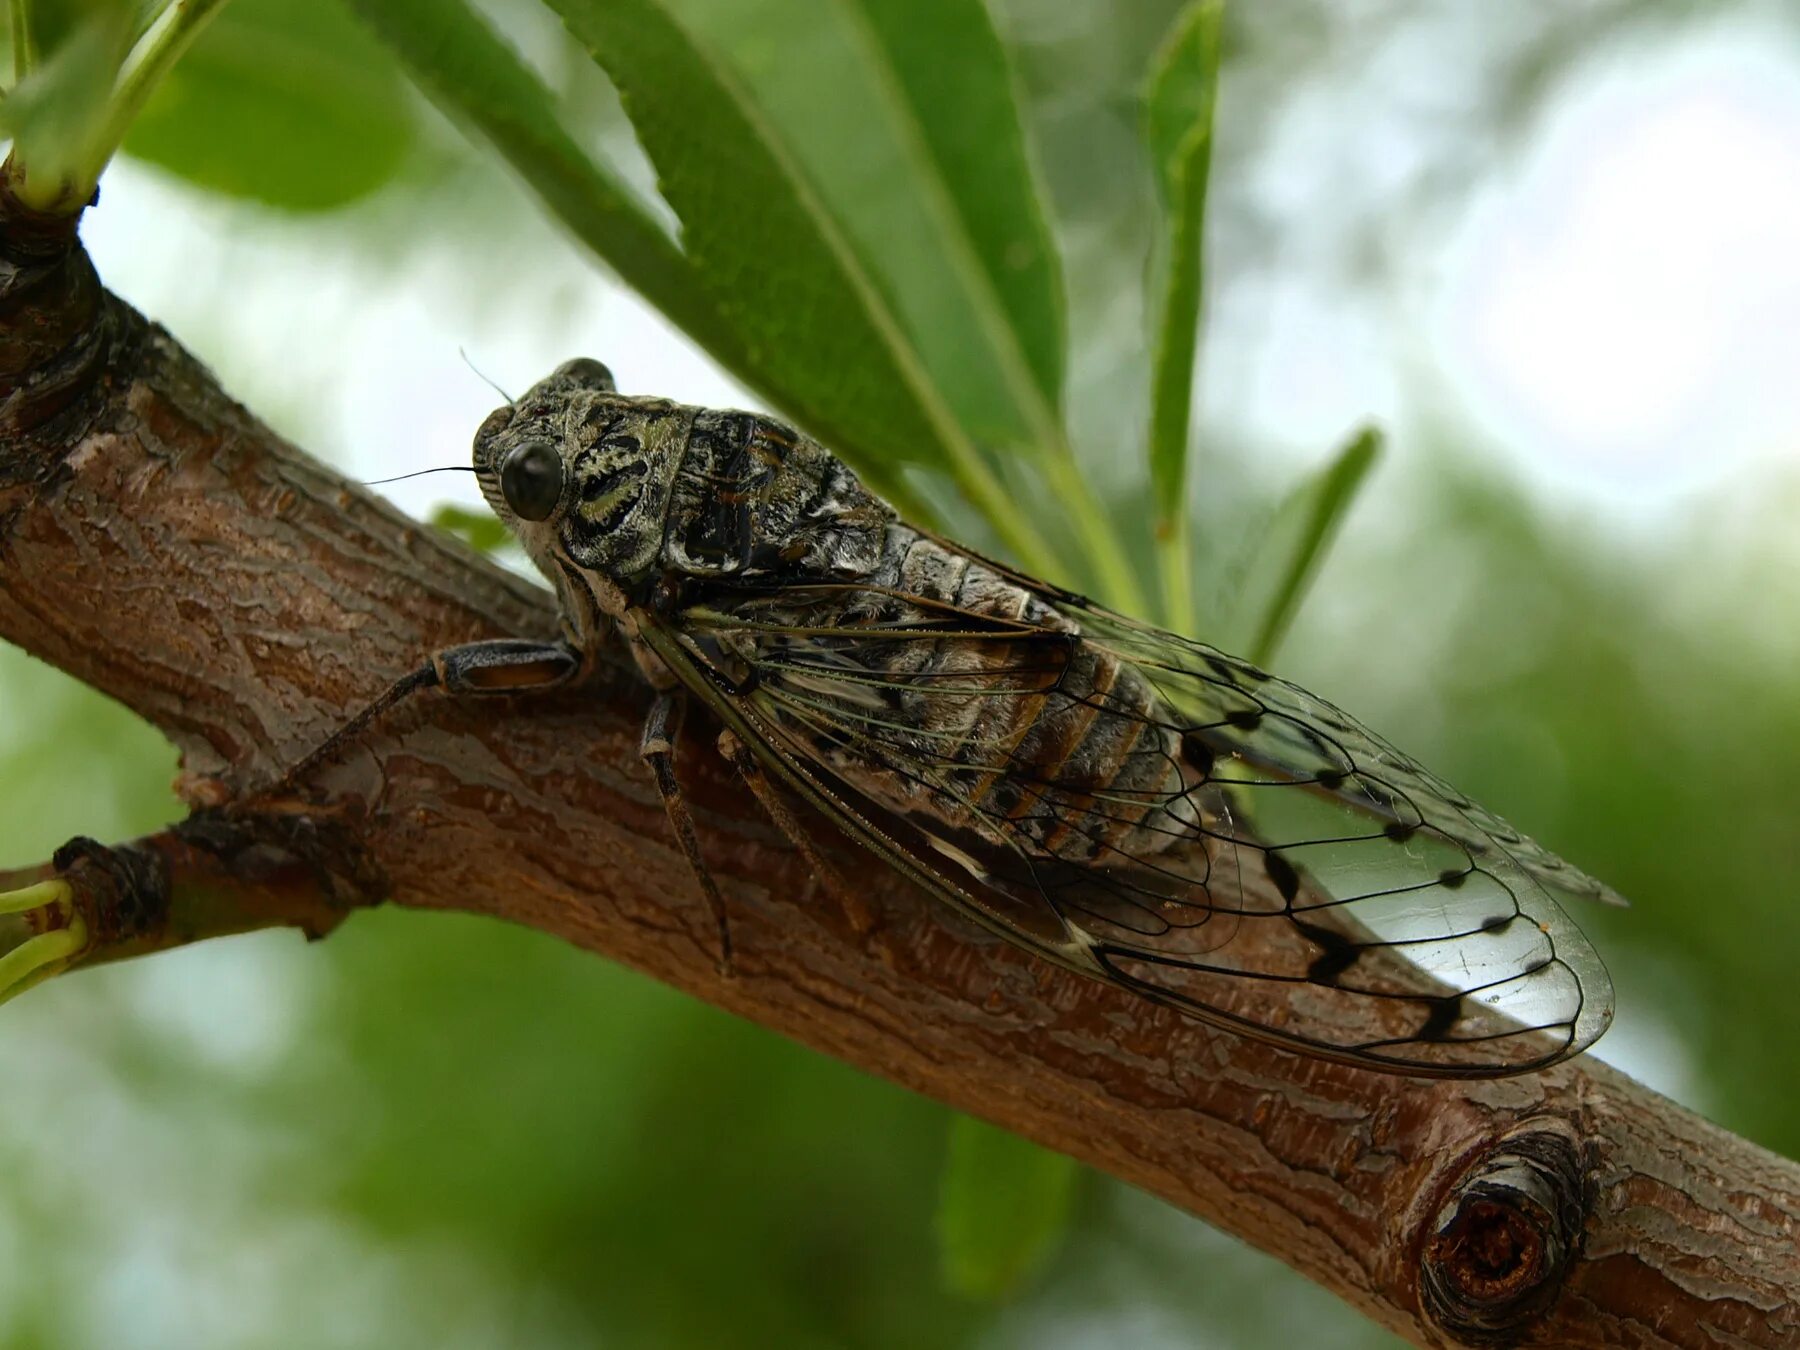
160, 544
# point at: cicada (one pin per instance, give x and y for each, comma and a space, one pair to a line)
1124, 802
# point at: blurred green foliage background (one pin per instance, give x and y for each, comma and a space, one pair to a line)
431, 1131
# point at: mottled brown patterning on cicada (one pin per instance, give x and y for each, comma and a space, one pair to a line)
1130, 804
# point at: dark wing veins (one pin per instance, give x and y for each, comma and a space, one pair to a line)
1152, 812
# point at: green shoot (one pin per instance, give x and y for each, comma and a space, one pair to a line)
41, 955
172, 33
69, 108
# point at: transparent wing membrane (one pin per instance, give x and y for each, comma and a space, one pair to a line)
1155, 813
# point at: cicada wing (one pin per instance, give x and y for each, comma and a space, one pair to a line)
1309, 737
1272, 726
1244, 852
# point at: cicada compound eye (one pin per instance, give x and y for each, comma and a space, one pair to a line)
531, 479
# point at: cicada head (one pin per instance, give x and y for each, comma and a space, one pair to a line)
582, 473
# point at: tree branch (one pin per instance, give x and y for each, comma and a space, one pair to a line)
160, 544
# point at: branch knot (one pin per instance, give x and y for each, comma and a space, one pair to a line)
1506, 1235
124, 890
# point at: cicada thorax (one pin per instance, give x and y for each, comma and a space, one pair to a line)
753, 498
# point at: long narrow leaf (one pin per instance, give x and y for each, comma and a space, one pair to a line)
948, 71
1179, 123
872, 171
950, 68
921, 98
1003, 1207
776, 261
479, 81
1315, 510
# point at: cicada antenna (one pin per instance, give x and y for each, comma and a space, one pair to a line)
442, 468
482, 376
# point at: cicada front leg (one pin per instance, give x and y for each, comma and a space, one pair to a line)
481, 669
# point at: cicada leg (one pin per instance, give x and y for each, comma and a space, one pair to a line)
863, 920
661, 727
498, 666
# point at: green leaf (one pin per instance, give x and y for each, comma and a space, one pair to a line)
923, 161
1301, 534
868, 187
1003, 1207
775, 260
952, 70
914, 99
1178, 119
479, 81
286, 102
50, 25
813, 320
480, 530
